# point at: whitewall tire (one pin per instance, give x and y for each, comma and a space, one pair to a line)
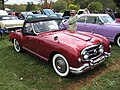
118, 41
16, 45
60, 65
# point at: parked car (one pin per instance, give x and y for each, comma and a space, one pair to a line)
74, 52
117, 20
35, 16
59, 15
25, 14
3, 12
66, 15
48, 12
10, 22
101, 24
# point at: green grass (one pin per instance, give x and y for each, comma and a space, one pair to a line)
23, 71
110, 81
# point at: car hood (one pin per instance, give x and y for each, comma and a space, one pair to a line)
73, 39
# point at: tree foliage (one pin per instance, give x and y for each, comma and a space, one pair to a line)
117, 3
95, 6
73, 7
62, 5
59, 6
30, 6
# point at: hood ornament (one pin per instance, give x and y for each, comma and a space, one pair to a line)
90, 37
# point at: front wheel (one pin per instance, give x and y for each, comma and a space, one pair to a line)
17, 46
60, 65
118, 41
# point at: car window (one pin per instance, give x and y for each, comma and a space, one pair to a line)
107, 19
28, 28
98, 21
29, 16
81, 19
44, 26
38, 27
91, 19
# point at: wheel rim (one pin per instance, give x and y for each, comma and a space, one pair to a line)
60, 65
16, 45
118, 41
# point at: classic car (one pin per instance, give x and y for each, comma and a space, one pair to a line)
10, 22
75, 52
101, 24
3, 12
35, 16
48, 12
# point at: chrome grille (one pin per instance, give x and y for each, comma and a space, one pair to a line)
92, 52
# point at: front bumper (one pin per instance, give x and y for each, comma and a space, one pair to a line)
91, 65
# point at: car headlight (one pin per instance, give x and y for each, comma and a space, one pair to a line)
85, 55
101, 49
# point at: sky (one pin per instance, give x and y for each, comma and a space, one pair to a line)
24, 1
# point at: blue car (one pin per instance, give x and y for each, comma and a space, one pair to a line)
35, 16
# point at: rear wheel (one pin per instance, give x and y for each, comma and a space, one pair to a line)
17, 46
118, 40
60, 65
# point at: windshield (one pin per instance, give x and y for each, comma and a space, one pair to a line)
107, 19
44, 26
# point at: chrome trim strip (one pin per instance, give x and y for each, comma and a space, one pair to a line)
34, 53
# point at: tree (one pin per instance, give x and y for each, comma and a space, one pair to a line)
107, 4
73, 7
95, 6
117, 3
30, 6
2, 4
59, 6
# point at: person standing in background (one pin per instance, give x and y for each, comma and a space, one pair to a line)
110, 13
72, 21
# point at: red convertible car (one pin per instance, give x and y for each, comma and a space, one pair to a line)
75, 52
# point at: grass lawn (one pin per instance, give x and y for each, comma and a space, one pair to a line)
23, 71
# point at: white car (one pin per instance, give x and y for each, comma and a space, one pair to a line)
10, 22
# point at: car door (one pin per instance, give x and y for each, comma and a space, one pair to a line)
92, 25
29, 38
81, 23
99, 26
42, 46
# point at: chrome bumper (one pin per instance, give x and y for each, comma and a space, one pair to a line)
90, 65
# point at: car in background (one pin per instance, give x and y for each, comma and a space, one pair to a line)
25, 14
75, 52
66, 15
59, 15
101, 24
35, 16
48, 12
10, 22
3, 12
